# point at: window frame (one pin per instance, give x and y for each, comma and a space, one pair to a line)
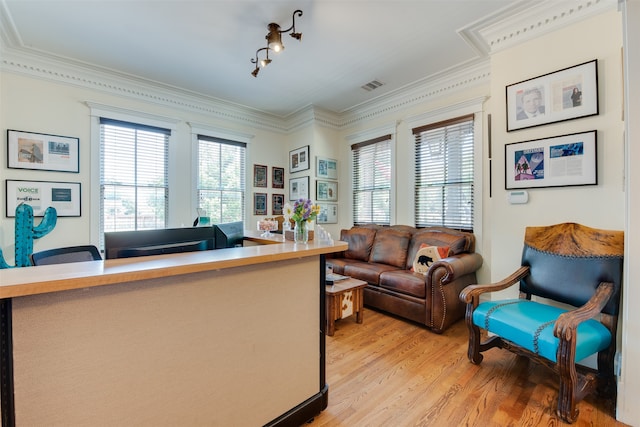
98, 111
376, 141
243, 188
450, 147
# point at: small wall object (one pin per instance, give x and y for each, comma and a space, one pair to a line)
26, 232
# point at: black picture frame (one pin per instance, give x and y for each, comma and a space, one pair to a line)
41, 151
566, 94
559, 161
299, 159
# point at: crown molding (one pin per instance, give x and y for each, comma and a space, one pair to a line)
112, 82
527, 20
444, 84
509, 27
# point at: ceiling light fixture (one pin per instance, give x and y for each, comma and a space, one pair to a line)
274, 42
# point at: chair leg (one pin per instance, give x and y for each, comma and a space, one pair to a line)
568, 381
473, 352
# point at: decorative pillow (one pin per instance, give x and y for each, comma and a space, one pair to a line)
427, 255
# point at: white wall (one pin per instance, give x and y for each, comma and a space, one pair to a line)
600, 206
629, 383
36, 105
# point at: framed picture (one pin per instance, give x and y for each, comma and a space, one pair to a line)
328, 213
277, 177
299, 188
259, 203
326, 168
277, 203
299, 159
63, 196
259, 176
30, 150
552, 162
562, 95
327, 191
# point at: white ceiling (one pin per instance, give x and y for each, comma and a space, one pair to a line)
205, 46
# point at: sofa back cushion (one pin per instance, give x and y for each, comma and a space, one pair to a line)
390, 247
457, 241
360, 240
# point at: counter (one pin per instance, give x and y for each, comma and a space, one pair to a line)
225, 337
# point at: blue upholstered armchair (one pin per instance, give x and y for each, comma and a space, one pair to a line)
578, 267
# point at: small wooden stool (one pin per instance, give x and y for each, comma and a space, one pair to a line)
343, 299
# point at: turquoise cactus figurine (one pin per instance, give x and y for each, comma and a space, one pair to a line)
26, 232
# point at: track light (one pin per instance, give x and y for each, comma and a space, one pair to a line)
274, 41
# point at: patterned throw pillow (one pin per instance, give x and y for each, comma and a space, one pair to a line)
427, 255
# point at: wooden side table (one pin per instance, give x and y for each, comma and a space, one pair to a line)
343, 299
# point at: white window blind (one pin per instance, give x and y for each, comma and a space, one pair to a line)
444, 174
221, 178
133, 176
371, 165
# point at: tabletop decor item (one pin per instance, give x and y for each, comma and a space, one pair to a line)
303, 213
267, 225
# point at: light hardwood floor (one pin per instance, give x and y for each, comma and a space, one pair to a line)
389, 372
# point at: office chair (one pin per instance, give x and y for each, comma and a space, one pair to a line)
66, 255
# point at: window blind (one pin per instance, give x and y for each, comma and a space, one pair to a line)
221, 178
444, 173
371, 166
133, 176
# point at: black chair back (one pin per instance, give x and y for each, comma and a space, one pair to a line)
66, 255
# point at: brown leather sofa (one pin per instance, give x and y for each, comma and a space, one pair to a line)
384, 257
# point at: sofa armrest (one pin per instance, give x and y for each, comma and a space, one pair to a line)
448, 269
444, 281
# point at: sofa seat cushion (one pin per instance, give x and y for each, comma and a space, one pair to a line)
360, 240
367, 271
530, 324
338, 264
404, 282
390, 247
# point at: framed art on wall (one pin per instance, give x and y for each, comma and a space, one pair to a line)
326, 190
277, 178
326, 168
299, 188
63, 196
566, 94
259, 203
559, 161
31, 150
277, 203
259, 176
328, 213
299, 159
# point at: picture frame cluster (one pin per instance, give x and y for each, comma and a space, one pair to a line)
561, 160
43, 152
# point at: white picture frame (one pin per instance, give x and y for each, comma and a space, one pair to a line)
328, 213
299, 188
326, 168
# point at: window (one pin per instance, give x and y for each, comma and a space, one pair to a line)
444, 174
133, 176
371, 161
221, 178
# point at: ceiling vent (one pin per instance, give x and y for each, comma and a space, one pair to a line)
373, 84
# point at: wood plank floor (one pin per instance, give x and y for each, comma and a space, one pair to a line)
389, 372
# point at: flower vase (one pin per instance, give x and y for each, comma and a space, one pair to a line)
300, 232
